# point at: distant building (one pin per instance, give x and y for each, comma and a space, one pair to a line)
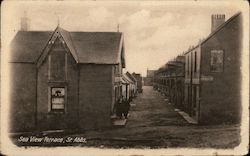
149, 79
64, 80
139, 81
169, 80
133, 84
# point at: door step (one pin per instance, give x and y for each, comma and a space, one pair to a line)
119, 122
132, 104
186, 117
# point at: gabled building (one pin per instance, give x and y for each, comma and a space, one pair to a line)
133, 84
213, 74
64, 80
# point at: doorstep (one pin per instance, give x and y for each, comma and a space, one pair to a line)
119, 122
186, 117
132, 104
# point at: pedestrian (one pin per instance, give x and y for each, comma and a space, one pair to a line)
123, 106
126, 108
119, 108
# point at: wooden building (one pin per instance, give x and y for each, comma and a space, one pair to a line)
213, 75
139, 82
133, 84
64, 80
127, 87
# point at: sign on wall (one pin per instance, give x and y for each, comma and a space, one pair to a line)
216, 61
57, 98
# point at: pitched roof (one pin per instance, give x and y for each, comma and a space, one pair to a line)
131, 76
127, 79
86, 47
97, 47
28, 46
216, 31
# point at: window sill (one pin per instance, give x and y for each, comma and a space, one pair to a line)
56, 112
64, 83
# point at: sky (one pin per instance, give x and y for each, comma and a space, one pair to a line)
154, 32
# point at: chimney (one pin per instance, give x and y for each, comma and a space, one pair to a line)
25, 22
217, 20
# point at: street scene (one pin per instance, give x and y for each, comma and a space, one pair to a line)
125, 76
153, 123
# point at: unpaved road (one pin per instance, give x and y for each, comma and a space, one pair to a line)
153, 123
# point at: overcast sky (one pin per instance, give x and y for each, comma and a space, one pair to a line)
154, 32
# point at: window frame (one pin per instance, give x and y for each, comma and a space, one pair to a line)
50, 109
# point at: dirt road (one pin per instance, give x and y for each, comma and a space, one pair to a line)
153, 123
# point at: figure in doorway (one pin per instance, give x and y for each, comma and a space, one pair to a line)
126, 108
119, 109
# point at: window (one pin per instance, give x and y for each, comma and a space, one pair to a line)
216, 61
57, 99
57, 66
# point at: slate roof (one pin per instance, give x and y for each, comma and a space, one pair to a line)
131, 77
126, 79
28, 46
237, 15
86, 47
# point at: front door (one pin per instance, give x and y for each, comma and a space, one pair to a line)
195, 102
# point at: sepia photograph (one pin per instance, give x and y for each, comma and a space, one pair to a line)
124, 77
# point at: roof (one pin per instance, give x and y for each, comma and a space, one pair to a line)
217, 30
125, 79
131, 76
86, 47
28, 46
137, 76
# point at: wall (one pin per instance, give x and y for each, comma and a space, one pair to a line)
95, 90
22, 97
220, 96
47, 119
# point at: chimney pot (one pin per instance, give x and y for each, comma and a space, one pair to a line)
216, 21
25, 22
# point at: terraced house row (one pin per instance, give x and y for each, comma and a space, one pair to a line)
205, 81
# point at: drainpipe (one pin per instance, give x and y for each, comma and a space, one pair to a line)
35, 115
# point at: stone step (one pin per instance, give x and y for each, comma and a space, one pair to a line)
119, 122
186, 117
